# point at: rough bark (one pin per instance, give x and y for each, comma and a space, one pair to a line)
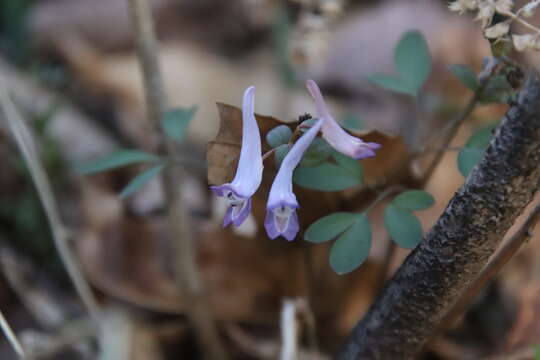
455, 250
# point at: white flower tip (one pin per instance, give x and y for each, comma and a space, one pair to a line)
250, 91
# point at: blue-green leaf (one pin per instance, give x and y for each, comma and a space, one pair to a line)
176, 121
474, 148
352, 122
352, 247
465, 75
392, 83
413, 59
330, 226
279, 155
467, 159
116, 159
325, 177
414, 200
317, 153
140, 180
350, 164
278, 136
403, 227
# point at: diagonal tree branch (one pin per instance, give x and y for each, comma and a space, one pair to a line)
455, 250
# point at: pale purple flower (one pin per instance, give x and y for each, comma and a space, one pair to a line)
250, 167
281, 218
332, 132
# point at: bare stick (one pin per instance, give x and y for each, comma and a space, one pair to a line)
492, 269
12, 338
187, 274
456, 249
60, 234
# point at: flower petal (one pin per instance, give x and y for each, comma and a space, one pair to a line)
250, 166
334, 134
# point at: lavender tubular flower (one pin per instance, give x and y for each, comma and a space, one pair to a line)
250, 167
332, 132
281, 218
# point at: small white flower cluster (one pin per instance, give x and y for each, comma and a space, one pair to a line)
501, 31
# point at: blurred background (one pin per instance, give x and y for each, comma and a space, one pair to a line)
72, 69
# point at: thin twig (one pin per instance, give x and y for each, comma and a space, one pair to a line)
449, 131
60, 234
504, 255
187, 274
12, 338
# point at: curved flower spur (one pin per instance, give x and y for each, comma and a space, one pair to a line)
332, 132
250, 167
281, 218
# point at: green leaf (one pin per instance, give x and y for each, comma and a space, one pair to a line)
465, 75
480, 139
403, 227
497, 90
536, 349
317, 153
352, 121
325, 177
349, 164
278, 136
467, 159
117, 159
414, 200
392, 83
351, 249
413, 59
176, 121
330, 226
140, 180
474, 148
279, 155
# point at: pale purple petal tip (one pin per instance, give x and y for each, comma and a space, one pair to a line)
243, 214
227, 219
374, 146
364, 154
270, 226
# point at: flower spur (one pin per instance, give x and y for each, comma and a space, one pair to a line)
248, 176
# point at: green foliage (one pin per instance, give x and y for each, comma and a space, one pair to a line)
413, 62
138, 181
413, 59
414, 200
536, 352
465, 75
352, 122
329, 227
279, 135
352, 247
279, 155
176, 121
341, 175
392, 83
350, 164
497, 90
117, 159
318, 152
474, 148
403, 227
325, 177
